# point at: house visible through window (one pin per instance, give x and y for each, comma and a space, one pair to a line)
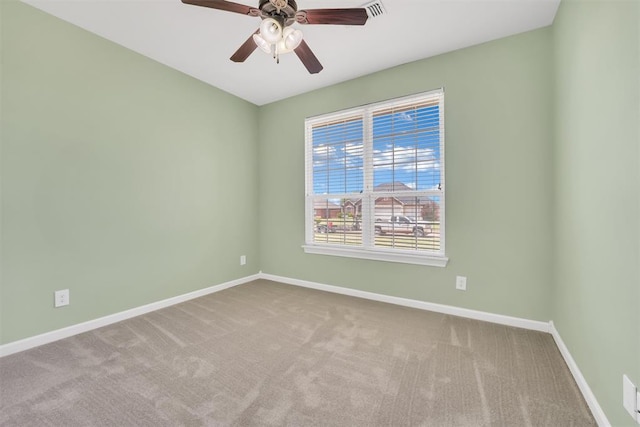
375, 181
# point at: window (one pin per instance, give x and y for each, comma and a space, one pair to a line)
375, 181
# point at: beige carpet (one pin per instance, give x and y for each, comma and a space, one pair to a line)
265, 353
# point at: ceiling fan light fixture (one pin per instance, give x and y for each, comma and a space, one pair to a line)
274, 35
264, 45
270, 30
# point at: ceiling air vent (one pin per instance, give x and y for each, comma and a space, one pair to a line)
374, 9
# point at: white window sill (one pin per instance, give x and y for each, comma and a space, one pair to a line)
378, 255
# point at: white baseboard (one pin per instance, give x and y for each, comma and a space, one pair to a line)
422, 305
38, 340
593, 404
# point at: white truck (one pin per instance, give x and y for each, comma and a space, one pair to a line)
400, 224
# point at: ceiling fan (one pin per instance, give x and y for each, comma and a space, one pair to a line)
276, 35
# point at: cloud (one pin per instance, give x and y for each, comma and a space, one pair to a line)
349, 155
405, 158
324, 150
354, 147
404, 116
423, 166
399, 158
323, 154
353, 153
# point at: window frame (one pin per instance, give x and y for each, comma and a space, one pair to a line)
367, 250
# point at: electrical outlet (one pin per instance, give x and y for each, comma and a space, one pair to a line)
61, 298
630, 398
461, 283
243, 259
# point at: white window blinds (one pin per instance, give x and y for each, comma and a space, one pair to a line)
375, 178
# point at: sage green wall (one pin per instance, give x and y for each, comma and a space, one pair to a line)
597, 239
122, 180
128, 182
498, 124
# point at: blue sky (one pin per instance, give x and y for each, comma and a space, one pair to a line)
406, 149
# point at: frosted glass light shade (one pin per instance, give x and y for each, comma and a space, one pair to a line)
291, 39
262, 43
270, 30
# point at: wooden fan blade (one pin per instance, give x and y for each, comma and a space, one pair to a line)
354, 16
308, 58
225, 5
245, 50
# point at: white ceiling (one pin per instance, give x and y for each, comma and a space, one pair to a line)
199, 41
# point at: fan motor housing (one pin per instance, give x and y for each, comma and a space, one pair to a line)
269, 10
